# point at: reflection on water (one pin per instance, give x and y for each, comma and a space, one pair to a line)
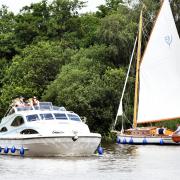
126, 162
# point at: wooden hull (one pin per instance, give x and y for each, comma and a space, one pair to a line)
176, 138
147, 135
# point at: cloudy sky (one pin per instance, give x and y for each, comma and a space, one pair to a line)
16, 5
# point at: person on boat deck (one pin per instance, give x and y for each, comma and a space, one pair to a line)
178, 129
20, 102
161, 130
35, 101
27, 102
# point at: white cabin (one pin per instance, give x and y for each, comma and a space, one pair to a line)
42, 120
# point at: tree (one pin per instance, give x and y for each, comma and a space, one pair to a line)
176, 11
89, 88
109, 7
43, 21
33, 70
118, 31
7, 42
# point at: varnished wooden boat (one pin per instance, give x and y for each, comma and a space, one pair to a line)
176, 138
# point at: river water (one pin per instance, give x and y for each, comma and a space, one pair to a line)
121, 162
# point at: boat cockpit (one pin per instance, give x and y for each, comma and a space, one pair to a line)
44, 111
42, 106
23, 117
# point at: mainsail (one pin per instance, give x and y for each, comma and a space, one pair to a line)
159, 94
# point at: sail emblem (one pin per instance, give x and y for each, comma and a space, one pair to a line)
168, 39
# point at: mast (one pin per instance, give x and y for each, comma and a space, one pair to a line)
137, 72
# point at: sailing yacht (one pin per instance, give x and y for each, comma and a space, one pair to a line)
157, 87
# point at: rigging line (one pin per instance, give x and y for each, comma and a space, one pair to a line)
127, 119
145, 35
127, 75
145, 28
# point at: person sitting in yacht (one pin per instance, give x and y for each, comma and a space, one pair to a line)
20, 102
161, 130
35, 101
178, 129
27, 102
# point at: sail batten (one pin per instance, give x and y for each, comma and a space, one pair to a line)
159, 94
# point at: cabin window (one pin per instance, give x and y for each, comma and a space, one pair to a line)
74, 117
60, 116
32, 117
12, 111
18, 121
3, 129
29, 131
47, 116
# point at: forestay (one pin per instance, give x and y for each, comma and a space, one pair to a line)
159, 94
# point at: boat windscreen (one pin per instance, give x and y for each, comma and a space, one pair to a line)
32, 117
60, 116
45, 105
47, 116
24, 108
74, 117
59, 108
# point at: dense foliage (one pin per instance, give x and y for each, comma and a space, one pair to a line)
74, 60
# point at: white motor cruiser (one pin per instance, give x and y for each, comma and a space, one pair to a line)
46, 130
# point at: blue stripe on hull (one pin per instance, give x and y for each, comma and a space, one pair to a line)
146, 140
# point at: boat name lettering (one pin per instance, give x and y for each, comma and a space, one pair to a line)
57, 132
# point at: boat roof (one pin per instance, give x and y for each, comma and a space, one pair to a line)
42, 107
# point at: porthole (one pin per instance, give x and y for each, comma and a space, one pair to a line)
29, 131
3, 129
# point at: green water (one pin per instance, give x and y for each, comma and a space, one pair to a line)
121, 162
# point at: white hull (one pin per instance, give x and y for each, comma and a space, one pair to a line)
52, 145
156, 140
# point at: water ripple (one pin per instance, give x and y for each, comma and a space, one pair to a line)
126, 162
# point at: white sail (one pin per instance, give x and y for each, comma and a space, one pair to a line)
159, 94
120, 109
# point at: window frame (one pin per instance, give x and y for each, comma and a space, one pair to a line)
65, 115
68, 114
43, 118
22, 121
32, 115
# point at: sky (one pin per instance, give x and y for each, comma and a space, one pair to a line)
16, 5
